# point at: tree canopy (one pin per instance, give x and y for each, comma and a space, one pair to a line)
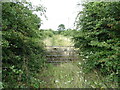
61, 27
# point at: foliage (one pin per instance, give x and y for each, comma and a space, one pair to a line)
69, 32
61, 27
99, 38
47, 33
65, 75
22, 48
58, 40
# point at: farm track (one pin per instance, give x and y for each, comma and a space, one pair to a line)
64, 69
66, 74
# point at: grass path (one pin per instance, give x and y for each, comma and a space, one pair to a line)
69, 75
66, 75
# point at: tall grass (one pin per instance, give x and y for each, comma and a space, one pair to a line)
69, 75
58, 40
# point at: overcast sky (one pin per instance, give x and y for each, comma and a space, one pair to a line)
59, 12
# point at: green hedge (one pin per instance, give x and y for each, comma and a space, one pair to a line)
99, 37
22, 48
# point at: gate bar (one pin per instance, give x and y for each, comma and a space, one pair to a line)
59, 46
57, 61
62, 58
61, 55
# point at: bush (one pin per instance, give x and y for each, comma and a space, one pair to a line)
69, 32
21, 45
99, 38
47, 33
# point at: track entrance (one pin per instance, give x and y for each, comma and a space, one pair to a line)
61, 54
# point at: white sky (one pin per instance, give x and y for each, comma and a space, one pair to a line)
59, 12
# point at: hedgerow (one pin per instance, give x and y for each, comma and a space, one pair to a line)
98, 39
22, 48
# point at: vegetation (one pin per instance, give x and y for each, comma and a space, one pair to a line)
22, 46
58, 40
70, 74
61, 28
98, 39
69, 32
47, 33
64, 75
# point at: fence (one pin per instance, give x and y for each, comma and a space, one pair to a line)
61, 54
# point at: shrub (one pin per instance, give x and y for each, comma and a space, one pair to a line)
99, 38
22, 48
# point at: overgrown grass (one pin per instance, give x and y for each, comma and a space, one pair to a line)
69, 75
66, 75
58, 40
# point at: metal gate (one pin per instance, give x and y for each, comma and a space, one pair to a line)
61, 54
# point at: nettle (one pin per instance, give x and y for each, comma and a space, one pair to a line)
99, 37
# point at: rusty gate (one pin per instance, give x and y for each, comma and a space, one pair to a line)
61, 54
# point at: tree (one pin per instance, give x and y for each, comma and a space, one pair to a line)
61, 27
